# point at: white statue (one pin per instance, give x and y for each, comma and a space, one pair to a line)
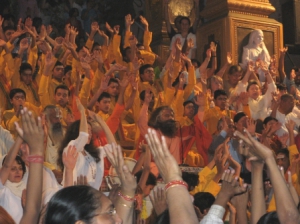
256, 49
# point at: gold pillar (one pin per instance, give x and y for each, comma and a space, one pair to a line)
231, 21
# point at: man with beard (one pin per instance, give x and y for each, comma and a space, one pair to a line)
55, 133
162, 120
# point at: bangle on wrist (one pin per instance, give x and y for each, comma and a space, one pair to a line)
126, 197
176, 183
35, 159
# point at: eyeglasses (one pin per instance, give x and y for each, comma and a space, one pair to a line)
111, 212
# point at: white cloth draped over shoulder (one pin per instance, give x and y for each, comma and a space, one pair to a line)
86, 164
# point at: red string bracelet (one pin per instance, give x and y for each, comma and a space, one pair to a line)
35, 159
126, 197
175, 183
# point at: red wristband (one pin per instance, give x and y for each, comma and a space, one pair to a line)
35, 159
174, 183
126, 197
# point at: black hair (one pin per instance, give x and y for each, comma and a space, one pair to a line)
219, 92
191, 179
233, 69
196, 61
238, 116
188, 102
284, 151
72, 11
154, 116
269, 118
58, 63
151, 180
250, 83
71, 134
13, 92
103, 95
269, 218
62, 87
67, 69
203, 200
111, 80
143, 68
123, 52
296, 69
185, 18
177, 18
95, 44
74, 203
19, 161
143, 93
25, 66
281, 86
6, 28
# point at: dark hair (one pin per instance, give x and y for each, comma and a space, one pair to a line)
185, 18
269, 218
286, 96
190, 178
74, 203
25, 66
123, 52
177, 18
143, 68
284, 151
103, 95
281, 86
233, 69
269, 118
71, 134
6, 28
67, 69
58, 63
238, 116
219, 92
151, 180
13, 92
19, 162
203, 200
111, 80
143, 93
154, 116
95, 44
72, 11
196, 61
296, 69
62, 87
250, 83
188, 102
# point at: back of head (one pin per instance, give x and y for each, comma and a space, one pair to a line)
286, 97
151, 180
72, 204
233, 69
203, 200
269, 218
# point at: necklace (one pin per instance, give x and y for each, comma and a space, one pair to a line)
91, 163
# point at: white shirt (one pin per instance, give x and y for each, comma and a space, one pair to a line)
259, 107
182, 39
86, 164
11, 203
6, 141
214, 215
283, 119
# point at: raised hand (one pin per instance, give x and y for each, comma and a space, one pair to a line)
230, 184
79, 105
159, 200
229, 58
283, 139
148, 96
128, 20
70, 158
115, 156
108, 27
166, 163
178, 45
2, 43
290, 125
144, 21
32, 132
251, 126
283, 50
94, 27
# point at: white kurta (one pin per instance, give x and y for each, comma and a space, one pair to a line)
86, 165
182, 39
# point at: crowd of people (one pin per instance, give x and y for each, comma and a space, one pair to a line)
74, 111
